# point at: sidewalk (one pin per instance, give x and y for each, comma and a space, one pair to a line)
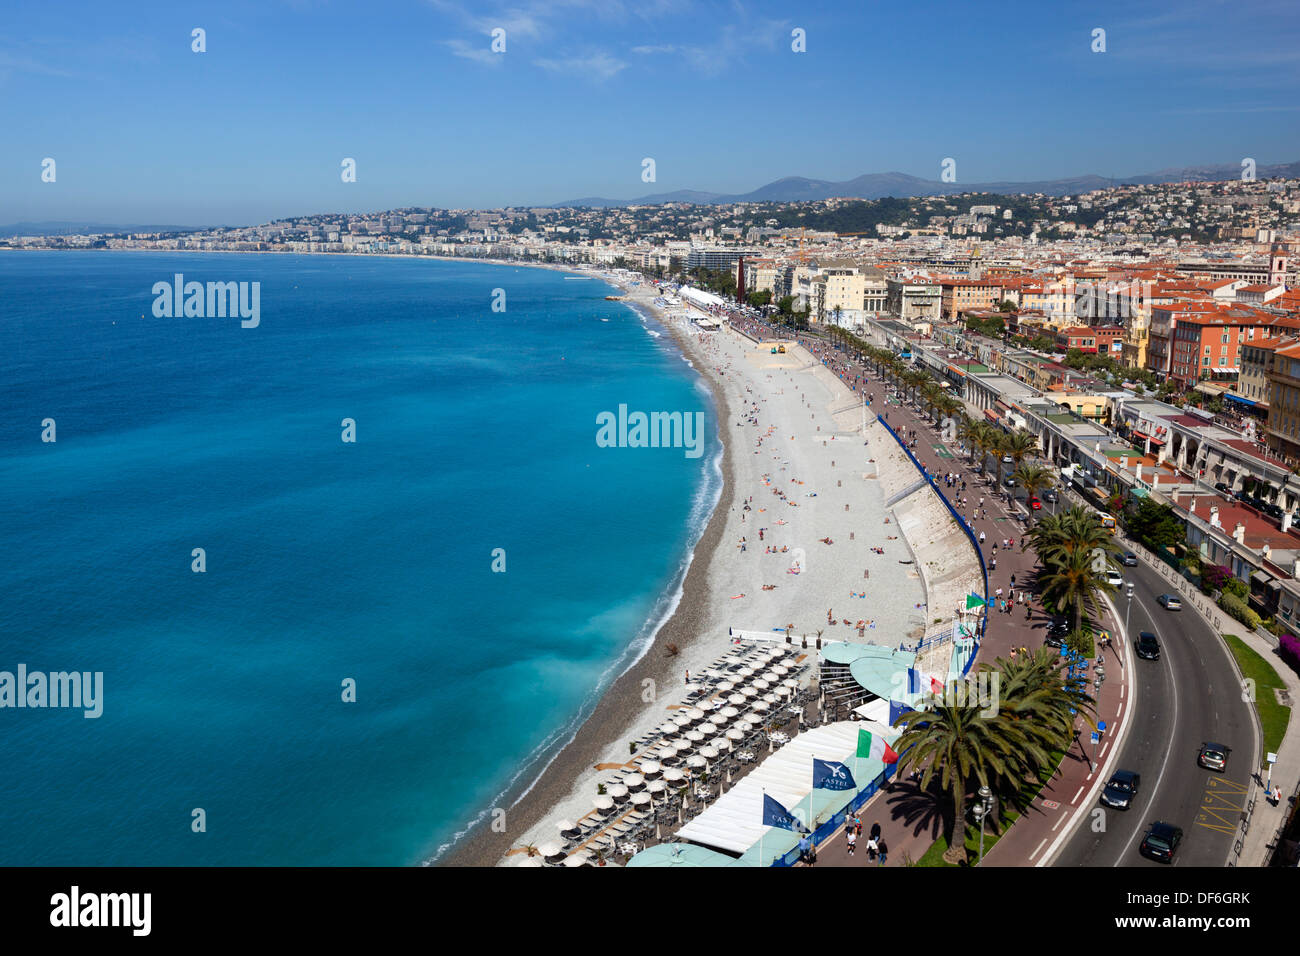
908, 817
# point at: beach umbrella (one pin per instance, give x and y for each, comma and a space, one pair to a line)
549, 851
709, 753
730, 712
692, 688
735, 733
736, 700
770, 698
618, 792
780, 670
718, 743
696, 762
695, 737
789, 682
681, 720
750, 691
682, 745
576, 860
726, 686
603, 804
746, 671
673, 775
634, 781
640, 799
530, 861
708, 728
761, 684
761, 707
785, 692
746, 725
565, 826
668, 728
655, 786
695, 713
649, 767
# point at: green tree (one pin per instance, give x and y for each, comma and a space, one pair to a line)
1155, 525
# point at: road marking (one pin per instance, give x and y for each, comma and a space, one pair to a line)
1103, 751
1164, 764
1037, 848
1059, 822
1076, 796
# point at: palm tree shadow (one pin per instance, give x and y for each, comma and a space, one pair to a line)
921, 811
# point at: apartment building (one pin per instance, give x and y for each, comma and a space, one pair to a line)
1283, 427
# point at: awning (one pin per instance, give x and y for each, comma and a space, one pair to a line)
990, 415
1238, 398
1261, 576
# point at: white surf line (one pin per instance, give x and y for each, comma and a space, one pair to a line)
1120, 734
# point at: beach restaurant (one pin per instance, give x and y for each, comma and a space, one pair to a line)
733, 825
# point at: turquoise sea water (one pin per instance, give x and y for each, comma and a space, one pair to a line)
325, 560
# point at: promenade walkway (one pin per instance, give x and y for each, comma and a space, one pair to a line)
908, 818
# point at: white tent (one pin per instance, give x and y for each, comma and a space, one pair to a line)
734, 823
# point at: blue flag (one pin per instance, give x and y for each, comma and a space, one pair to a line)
775, 815
829, 775
896, 710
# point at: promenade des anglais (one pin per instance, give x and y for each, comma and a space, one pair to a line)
450, 438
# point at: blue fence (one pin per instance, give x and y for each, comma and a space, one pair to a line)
961, 523
836, 822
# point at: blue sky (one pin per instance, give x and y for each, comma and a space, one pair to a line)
144, 130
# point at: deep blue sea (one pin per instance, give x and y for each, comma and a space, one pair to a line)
325, 560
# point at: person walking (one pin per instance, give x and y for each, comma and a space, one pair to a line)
853, 842
882, 849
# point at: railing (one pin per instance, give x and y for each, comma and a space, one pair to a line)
961, 523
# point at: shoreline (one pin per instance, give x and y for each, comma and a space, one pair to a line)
622, 703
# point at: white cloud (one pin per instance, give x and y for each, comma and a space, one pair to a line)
479, 54
601, 66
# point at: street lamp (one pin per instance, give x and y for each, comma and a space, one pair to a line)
982, 810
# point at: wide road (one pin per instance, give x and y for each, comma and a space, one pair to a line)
1189, 696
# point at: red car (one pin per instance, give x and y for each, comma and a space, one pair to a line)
1035, 504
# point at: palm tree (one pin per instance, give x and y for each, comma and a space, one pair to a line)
999, 447
1074, 583
1020, 444
1032, 688
961, 747
1033, 478
970, 433
914, 379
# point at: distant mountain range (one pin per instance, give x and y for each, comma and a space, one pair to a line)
83, 228
881, 185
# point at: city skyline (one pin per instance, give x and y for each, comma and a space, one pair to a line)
144, 130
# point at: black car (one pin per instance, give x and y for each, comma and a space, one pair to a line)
1121, 789
1213, 757
1161, 842
1050, 496
1130, 559
1148, 648
1223, 487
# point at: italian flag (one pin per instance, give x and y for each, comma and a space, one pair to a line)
875, 746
